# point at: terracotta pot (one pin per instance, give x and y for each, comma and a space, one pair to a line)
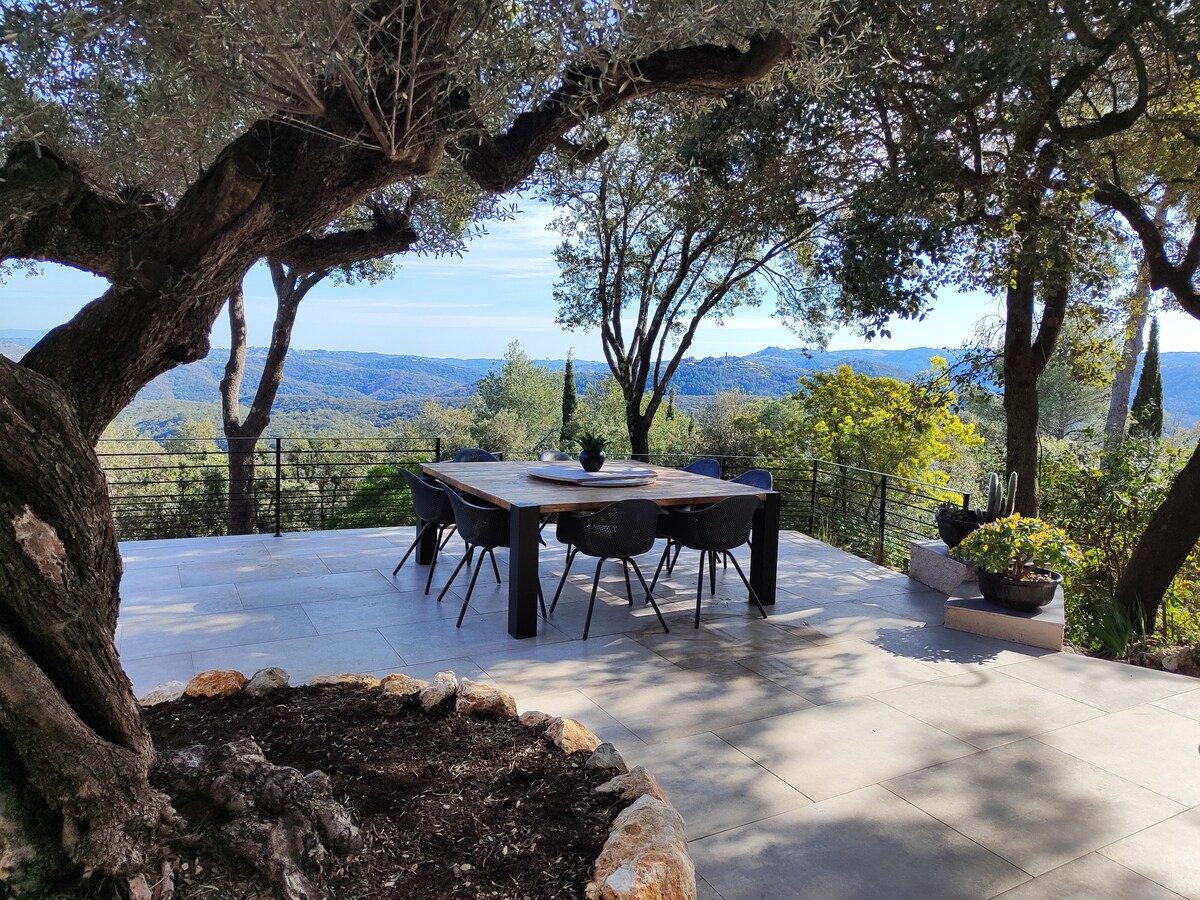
1022, 595
592, 460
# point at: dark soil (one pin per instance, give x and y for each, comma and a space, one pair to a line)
449, 806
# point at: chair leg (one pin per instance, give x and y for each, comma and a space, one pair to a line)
432, 566
571, 551
470, 588
447, 533
746, 582
495, 568
541, 600
411, 548
587, 625
662, 560
700, 586
462, 562
672, 545
628, 587
712, 573
649, 596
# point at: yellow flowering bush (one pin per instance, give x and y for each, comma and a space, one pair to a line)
1010, 546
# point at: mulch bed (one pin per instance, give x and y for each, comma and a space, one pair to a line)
449, 806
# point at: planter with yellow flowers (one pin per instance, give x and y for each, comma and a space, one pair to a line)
1019, 560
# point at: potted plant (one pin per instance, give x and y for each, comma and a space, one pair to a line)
591, 450
1019, 560
955, 522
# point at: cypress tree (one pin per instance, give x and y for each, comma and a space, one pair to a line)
569, 402
1147, 408
671, 404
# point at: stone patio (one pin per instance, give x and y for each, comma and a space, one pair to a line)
848, 747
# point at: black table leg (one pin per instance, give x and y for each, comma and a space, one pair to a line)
523, 571
764, 553
428, 544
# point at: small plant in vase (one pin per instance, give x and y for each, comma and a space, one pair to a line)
591, 450
955, 522
1019, 559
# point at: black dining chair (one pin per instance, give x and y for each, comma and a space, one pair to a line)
713, 529
432, 506
621, 530
474, 454
483, 528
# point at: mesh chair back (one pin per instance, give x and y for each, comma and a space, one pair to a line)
474, 454
430, 502
722, 526
704, 466
554, 456
759, 478
622, 529
483, 526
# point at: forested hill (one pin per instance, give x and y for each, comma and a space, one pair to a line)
349, 381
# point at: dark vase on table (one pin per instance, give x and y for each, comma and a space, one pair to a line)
591, 460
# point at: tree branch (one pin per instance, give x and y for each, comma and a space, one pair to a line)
341, 248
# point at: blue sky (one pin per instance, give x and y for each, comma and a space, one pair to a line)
498, 292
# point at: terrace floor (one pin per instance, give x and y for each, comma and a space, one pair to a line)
847, 747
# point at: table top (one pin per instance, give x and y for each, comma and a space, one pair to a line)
508, 484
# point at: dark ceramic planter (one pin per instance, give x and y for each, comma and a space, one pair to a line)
592, 460
1021, 595
953, 531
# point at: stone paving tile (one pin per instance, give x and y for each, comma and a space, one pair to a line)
312, 589
1105, 685
424, 641
1033, 805
211, 598
147, 580
734, 791
358, 613
462, 667
195, 574
705, 891
305, 658
157, 635
841, 747
578, 706
1165, 853
1146, 745
839, 670
954, 652
843, 621
1094, 877
151, 671
1186, 704
987, 708
868, 843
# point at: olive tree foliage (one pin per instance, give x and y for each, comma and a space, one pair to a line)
655, 243
168, 146
995, 129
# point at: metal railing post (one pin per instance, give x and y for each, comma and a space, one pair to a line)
966, 501
278, 483
437, 449
812, 501
883, 483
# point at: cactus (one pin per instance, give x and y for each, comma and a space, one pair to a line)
1000, 503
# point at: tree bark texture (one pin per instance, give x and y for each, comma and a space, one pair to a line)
1118, 404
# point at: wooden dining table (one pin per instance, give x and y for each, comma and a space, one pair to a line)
528, 499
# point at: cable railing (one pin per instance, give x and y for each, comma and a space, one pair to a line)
184, 488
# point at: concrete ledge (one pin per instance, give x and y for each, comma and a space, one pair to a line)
930, 562
1042, 628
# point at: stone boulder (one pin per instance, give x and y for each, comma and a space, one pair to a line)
266, 680
645, 856
403, 685
442, 688
535, 718
633, 784
476, 699
367, 681
571, 737
606, 757
216, 683
164, 693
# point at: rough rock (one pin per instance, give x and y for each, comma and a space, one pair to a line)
645, 856
403, 685
535, 718
216, 683
164, 693
476, 699
266, 680
633, 784
369, 681
571, 737
442, 688
606, 757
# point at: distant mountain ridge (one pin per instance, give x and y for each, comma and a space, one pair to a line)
352, 381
